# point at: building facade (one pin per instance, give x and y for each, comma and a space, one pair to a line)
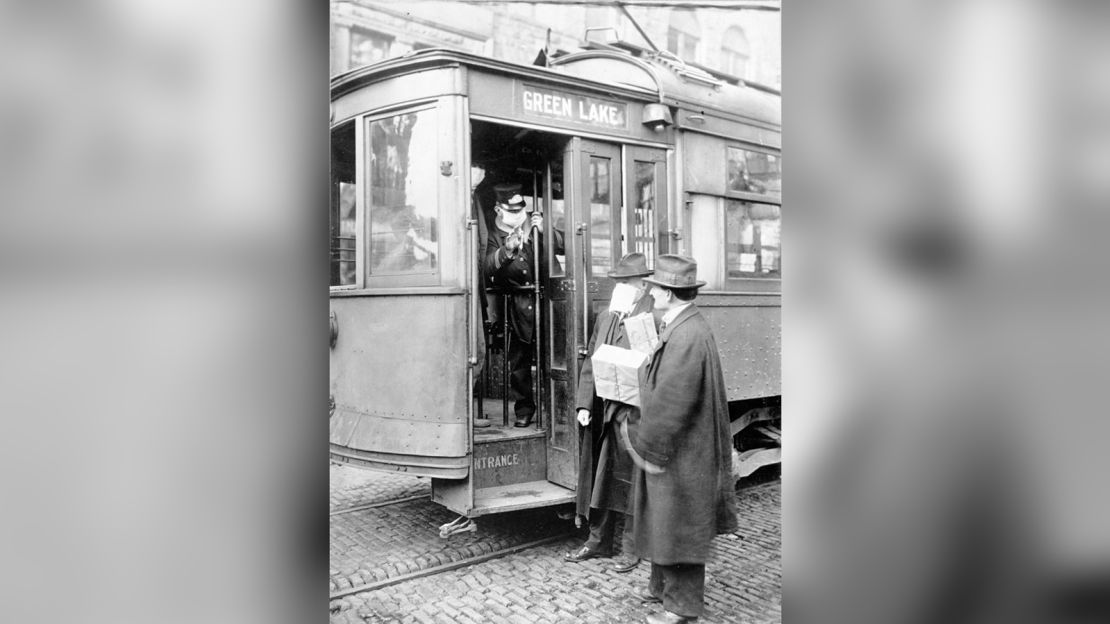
743, 43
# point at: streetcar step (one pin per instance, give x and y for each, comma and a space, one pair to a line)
519, 496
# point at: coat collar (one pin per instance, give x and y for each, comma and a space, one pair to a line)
690, 311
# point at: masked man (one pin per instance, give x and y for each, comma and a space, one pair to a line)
605, 469
511, 250
684, 494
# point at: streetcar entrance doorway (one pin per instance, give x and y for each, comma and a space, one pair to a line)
578, 186
526, 386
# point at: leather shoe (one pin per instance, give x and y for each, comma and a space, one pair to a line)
625, 564
582, 554
667, 617
647, 597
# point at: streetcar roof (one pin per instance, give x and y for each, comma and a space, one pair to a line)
643, 78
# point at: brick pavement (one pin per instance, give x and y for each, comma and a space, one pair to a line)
743, 576
351, 487
385, 542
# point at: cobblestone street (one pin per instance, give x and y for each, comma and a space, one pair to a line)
743, 576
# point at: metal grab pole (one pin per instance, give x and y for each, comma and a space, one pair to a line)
537, 327
505, 360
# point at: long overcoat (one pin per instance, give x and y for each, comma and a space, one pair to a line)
684, 428
517, 275
604, 468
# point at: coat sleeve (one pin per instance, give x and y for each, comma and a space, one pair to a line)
586, 374
496, 257
672, 399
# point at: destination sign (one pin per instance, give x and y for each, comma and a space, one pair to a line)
552, 104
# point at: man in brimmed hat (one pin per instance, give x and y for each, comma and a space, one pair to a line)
604, 469
685, 494
511, 250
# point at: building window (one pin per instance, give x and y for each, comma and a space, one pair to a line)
684, 34
735, 52
368, 47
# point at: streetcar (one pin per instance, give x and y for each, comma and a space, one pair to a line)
622, 150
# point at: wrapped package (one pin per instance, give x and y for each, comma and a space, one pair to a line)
641, 332
617, 373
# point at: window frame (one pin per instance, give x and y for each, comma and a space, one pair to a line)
421, 278
728, 278
746, 282
359, 223
748, 195
372, 36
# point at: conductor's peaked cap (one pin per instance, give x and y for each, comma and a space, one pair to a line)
514, 203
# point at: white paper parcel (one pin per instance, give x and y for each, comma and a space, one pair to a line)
617, 373
641, 333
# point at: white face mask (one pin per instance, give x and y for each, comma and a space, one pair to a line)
514, 219
624, 297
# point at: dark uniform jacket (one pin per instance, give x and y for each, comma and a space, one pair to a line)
613, 468
684, 428
517, 273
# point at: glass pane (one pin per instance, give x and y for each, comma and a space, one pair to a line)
643, 211
561, 429
754, 172
752, 238
601, 226
403, 202
342, 213
558, 216
557, 312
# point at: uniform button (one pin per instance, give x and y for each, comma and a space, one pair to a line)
525, 271
529, 307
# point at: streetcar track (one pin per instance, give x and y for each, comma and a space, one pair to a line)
447, 567
474, 560
393, 501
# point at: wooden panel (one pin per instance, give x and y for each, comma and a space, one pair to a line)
509, 461
455, 495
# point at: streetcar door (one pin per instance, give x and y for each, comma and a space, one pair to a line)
592, 217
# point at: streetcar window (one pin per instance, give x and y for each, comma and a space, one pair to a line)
601, 227
342, 221
754, 172
557, 214
402, 198
752, 239
644, 194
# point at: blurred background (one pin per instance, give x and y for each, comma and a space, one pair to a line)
164, 288
740, 38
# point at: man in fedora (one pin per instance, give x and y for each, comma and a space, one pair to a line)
604, 469
684, 495
511, 250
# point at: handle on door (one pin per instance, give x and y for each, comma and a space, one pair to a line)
583, 344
